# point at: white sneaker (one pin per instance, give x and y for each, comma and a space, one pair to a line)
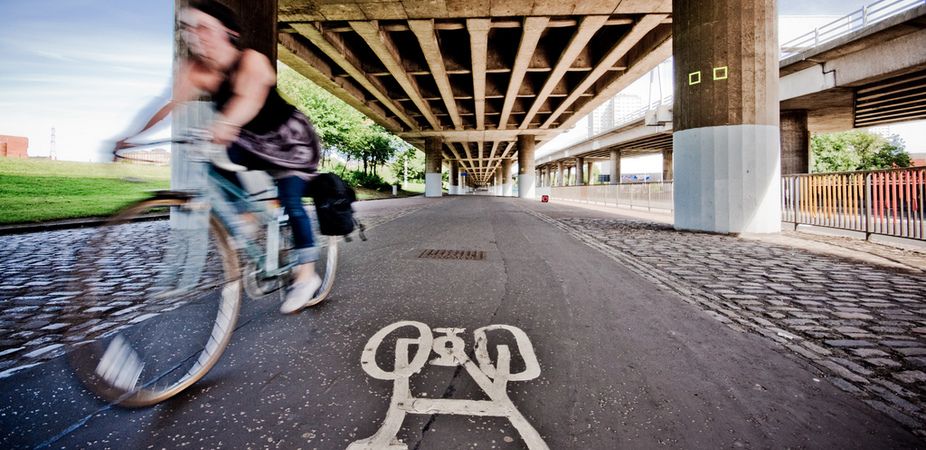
300, 294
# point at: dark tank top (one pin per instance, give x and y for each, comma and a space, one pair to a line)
273, 114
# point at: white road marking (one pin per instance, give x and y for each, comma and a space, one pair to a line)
450, 348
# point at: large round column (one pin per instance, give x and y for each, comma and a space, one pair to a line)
433, 159
454, 177
667, 172
507, 183
795, 142
726, 139
580, 171
615, 166
560, 175
526, 165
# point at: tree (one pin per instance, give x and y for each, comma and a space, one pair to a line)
408, 157
340, 127
856, 150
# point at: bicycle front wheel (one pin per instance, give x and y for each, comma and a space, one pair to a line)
164, 295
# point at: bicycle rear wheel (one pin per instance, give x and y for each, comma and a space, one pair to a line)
164, 296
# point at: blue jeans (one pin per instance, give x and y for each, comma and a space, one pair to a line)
290, 191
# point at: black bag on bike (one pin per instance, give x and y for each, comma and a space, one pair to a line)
333, 198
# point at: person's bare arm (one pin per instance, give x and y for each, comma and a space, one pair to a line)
252, 83
184, 90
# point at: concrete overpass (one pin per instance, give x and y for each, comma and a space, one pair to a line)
467, 80
481, 81
872, 76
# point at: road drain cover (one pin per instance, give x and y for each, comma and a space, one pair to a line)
472, 255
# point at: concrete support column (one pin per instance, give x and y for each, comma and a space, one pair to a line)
561, 174
507, 182
526, 165
579, 171
588, 173
667, 173
499, 180
795, 142
615, 166
726, 116
461, 181
454, 177
433, 160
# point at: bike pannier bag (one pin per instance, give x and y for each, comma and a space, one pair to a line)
333, 198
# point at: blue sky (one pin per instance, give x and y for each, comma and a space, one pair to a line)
86, 67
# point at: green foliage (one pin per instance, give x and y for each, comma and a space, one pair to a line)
341, 128
856, 150
359, 178
411, 158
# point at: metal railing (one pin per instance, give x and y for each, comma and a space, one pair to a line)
854, 21
655, 195
885, 202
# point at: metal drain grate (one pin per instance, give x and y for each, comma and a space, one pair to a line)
472, 255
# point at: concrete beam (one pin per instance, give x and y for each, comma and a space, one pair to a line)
474, 135
427, 38
587, 29
479, 42
387, 53
308, 64
644, 26
637, 70
530, 36
340, 54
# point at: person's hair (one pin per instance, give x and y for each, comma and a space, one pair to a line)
223, 14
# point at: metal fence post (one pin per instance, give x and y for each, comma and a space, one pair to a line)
649, 196
868, 217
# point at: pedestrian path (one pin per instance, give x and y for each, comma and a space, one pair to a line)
482, 322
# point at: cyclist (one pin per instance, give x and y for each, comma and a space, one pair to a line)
261, 130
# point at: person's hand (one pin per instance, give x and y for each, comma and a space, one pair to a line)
120, 145
224, 132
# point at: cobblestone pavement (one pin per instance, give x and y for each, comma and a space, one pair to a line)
43, 311
861, 325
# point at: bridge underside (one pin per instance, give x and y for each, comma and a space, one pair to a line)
474, 75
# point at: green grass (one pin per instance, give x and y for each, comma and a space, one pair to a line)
42, 190
417, 188
372, 194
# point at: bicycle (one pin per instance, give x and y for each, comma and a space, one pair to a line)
150, 281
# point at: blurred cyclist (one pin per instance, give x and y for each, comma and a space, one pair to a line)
262, 131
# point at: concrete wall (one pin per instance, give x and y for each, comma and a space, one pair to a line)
14, 147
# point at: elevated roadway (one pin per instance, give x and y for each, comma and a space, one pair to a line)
873, 76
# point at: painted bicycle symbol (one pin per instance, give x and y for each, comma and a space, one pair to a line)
450, 350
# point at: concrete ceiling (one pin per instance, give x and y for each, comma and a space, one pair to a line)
472, 72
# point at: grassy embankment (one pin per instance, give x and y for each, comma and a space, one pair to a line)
43, 190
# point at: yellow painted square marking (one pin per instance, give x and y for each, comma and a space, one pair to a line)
694, 78
720, 73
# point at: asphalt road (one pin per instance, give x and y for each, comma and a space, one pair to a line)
623, 363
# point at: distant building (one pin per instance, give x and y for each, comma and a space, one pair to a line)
14, 147
918, 159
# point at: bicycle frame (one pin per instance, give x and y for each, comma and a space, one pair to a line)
267, 259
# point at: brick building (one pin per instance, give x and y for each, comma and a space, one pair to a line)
14, 146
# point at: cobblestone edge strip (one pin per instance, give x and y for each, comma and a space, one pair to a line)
56, 349
881, 398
